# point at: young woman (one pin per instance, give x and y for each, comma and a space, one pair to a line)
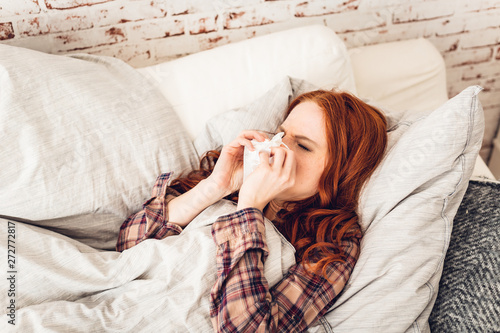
310, 191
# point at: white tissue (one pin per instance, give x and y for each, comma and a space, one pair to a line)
251, 159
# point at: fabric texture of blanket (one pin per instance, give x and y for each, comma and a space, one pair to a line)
65, 285
469, 290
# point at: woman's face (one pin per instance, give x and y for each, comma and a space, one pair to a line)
305, 135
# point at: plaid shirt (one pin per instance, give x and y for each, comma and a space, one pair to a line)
150, 221
241, 300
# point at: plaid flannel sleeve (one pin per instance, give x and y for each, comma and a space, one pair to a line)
241, 300
151, 221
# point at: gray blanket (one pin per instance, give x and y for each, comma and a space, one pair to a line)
61, 285
469, 290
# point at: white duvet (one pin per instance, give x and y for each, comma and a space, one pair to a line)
62, 285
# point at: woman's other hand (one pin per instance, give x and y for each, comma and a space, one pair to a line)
228, 172
269, 181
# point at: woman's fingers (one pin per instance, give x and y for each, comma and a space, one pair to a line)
264, 158
245, 137
249, 134
289, 164
283, 162
279, 156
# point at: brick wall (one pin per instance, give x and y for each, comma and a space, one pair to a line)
145, 32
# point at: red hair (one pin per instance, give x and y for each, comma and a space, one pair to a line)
357, 138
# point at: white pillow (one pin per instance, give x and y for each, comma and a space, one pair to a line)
408, 74
82, 137
406, 209
406, 212
265, 113
202, 85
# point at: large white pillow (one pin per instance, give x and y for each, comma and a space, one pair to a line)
406, 212
406, 209
202, 85
266, 113
82, 137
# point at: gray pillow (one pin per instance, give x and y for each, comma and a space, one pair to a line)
265, 113
406, 209
406, 212
469, 290
83, 140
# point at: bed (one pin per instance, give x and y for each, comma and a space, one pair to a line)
84, 138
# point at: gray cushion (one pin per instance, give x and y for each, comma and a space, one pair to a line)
469, 290
82, 137
265, 114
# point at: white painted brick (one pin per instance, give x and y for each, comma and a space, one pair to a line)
491, 100
85, 39
423, 11
41, 43
468, 57
483, 20
480, 38
365, 5
480, 71
464, 22
18, 7
174, 47
177, 46
210, 41
491, 111
453, 75
452, 25
353, 21
177, 7
445, 44
6, 31
159, 28
491, 84
254, 16
390, 33
222, 6
53, 22
198, 24
171, 49
491, 119
65, 4
134, 55
455, 87
325, 7
110, 13
476, 6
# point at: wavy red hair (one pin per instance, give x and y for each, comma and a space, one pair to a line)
357, 138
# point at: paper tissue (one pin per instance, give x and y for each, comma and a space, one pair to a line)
251, 159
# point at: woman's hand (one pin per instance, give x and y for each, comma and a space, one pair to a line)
225, 179
269, 181
228, 172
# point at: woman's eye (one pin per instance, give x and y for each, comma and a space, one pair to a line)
303, 147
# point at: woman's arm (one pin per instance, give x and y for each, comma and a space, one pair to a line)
184, 208
225, 179
241, 300
150, 222
167, 212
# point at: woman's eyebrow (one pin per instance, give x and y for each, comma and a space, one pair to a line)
298, 136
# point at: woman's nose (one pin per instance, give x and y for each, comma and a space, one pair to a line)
286, 140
